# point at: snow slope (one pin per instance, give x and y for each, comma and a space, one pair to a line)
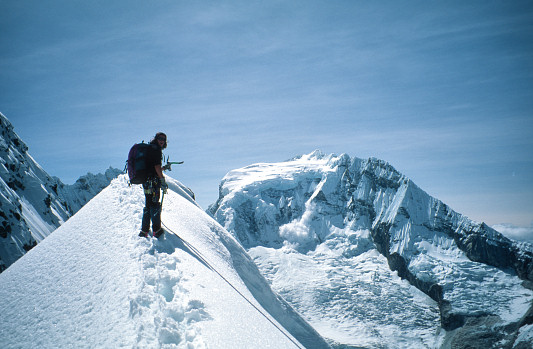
370, 259
94, 283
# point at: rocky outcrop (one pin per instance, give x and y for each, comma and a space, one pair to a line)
480, 246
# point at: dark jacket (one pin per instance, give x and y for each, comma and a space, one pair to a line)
153, 157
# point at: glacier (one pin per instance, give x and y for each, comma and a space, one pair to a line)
33, 203
93, 283
371, 260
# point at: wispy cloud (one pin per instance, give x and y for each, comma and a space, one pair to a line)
516, 233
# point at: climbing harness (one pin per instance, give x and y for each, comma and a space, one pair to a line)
151, 185
202, 258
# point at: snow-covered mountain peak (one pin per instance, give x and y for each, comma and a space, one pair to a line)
239, 179
104, 286
335, 211
316, 154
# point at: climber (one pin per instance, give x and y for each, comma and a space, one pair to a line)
154, 183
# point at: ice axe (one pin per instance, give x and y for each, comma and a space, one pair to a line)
168, 165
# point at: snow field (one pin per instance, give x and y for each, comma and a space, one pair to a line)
357, 301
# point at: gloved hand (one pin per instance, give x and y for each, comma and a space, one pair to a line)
164, 185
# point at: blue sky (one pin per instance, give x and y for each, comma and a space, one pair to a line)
441, 90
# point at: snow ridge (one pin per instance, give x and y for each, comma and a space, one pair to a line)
104, 286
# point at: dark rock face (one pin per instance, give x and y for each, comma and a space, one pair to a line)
481, 332
501, 252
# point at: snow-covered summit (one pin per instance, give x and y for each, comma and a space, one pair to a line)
32, 203
93, 283
359, 229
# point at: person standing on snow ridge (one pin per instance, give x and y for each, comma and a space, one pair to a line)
154, 182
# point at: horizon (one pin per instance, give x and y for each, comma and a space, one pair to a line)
442, 92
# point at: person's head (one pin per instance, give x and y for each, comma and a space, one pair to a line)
161, 139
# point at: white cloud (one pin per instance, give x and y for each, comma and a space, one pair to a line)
516, 233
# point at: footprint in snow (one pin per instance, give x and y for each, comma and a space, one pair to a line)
164, 314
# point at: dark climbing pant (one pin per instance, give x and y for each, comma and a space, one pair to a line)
152, 208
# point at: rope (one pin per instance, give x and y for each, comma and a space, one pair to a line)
199, 255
